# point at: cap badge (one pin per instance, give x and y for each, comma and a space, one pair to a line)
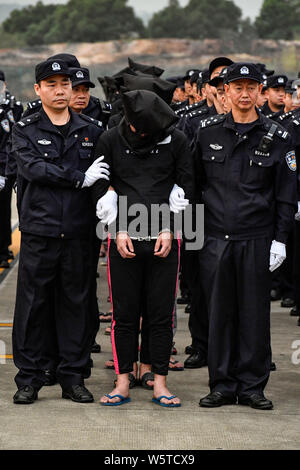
280, 80
244, 71
79, 74
56, 66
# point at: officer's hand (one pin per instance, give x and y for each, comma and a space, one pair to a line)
297, 216
177, 201
2, 182
98, 170
277, 255
163, 245
124, 245
107, 207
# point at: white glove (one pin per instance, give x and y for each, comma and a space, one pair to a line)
107, 208
2, 182
297, 216
277, 255
96, 171
177, 201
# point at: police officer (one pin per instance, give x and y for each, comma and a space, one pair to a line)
249, 194
147, 156
54, 150
10, 111
97, 109
275, 93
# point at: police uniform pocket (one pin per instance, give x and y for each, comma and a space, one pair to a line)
259, 171
214, 164
85, 153
50, 154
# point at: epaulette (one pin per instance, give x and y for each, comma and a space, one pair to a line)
34, 104
29, 120
280, 130
213, 120
286, 115
91, 120
296, 121
197, 113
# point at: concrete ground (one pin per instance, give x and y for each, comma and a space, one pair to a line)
54, 423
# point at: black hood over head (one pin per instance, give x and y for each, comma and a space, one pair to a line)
149, 115
162, 88
148, 69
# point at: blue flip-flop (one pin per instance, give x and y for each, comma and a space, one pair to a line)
117, 403
166, 405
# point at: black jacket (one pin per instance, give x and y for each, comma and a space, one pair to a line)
50, 175
247, 193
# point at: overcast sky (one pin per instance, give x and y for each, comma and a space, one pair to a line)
250, 7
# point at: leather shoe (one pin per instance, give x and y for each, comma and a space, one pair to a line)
287, 303
259, 402
4, 264
273, 367
184, 299
50, 378
78, 393
96, 348
294, 312
275, 295
189, 350
25, 395
195, 361
188, 308
216, 399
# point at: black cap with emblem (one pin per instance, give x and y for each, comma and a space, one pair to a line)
291, 86
70, 59
48, 68
276, 81
189, 73
243, 70
81, 76
219, 62
219, 78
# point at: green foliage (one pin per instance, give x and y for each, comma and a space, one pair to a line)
169, 22
279, 19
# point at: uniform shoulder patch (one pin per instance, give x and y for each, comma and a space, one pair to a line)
296, 122
34, 104
212, 121
27, 121
291, 160
91, 120
198, 112
286, 116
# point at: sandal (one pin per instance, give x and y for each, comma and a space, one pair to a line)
175, 369
166, 405
105, 317
110, 364
148, 376
122, 401
107, 331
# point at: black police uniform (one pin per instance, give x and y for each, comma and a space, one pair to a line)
56, 218
145, 175
249, 194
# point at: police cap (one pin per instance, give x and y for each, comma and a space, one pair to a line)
243, 70
70, 59
81, 76
276, 81
219, 78
218, 62
48, 68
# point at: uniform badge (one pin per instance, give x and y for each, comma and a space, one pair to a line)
5, 125
44, 142
11, 116
56, 66
244, 70
79, 74
280, 80
216, 146
291, 160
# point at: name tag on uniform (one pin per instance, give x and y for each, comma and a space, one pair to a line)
258, 153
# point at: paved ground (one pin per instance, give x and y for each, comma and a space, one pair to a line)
53, 423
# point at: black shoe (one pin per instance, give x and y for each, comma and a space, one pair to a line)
287, 303
50, 378
90, 363
184, 299
259, 402
96, 348
294, 312
4, 264
188, 308
195, 361
216, 399
25, 395
273, 367
10, 255
189, 350
78, 393
275, 295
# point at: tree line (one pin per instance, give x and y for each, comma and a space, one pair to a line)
103, 20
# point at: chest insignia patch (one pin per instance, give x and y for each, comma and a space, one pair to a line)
216, 147
44, 142
5, 125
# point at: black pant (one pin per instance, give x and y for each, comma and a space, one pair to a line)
236, 280
5, 219
52, 272
148, 281
297, 266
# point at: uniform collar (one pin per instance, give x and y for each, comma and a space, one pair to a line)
231, 124
47, 125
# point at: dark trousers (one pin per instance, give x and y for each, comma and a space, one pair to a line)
52, 272
236, 280
283, 277
297, 266
5, 219
146, 282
